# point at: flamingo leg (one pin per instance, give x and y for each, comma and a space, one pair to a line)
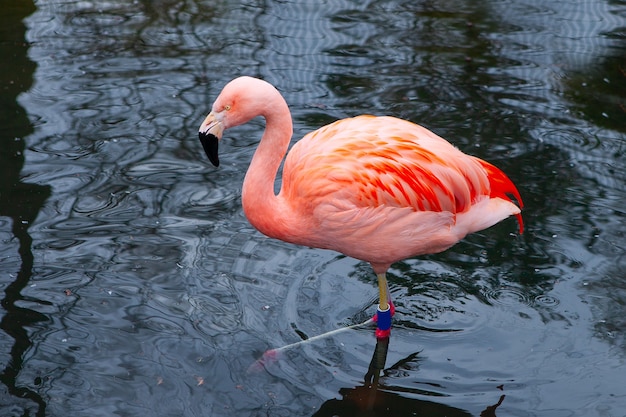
385, 308
383, 290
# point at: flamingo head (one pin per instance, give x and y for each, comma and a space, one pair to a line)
241, 100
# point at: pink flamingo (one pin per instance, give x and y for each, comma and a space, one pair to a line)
379, 189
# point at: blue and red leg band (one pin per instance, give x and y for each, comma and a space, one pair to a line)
383, 322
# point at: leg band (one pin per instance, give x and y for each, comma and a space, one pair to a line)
383, 323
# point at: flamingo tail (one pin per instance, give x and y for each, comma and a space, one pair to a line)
503, 187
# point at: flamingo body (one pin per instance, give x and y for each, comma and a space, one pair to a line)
379, 189
382, 189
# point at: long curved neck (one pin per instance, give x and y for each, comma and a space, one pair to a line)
262, 207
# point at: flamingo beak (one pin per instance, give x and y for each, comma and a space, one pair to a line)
210, 133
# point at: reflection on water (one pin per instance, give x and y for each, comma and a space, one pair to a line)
20, 203
372, 398
133, 284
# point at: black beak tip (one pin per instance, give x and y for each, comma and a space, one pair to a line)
209, 143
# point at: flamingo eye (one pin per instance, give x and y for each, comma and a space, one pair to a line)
227, 107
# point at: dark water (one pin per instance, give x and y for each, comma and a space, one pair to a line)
132, 284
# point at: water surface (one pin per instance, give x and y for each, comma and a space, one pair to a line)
133, 284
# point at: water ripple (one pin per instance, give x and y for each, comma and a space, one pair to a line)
508, 296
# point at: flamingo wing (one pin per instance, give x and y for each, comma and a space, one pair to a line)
372, 161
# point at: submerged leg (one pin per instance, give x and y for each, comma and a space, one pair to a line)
385, 308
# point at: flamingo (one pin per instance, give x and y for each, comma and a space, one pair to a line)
378, 189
